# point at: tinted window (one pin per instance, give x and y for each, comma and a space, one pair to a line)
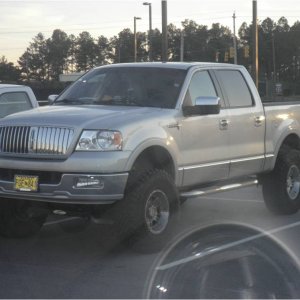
201, 85
136, 86
13, 102
236, 88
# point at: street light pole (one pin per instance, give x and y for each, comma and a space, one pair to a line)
255, 45
164, 31
234, 39
135, 40
274, 58
182, 46
150, 30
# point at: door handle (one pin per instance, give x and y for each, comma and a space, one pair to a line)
175, 125
223, 124
258, 121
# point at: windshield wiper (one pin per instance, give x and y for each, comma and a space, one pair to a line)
120, 102
76, 101
87, 100
66, 100
133, 103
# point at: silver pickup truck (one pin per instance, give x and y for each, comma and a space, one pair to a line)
132, 141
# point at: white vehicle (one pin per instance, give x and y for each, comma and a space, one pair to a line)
16, 98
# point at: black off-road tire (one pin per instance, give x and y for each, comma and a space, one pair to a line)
152, 188
281, 187
16, 220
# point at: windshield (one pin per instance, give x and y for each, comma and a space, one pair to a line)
126, 86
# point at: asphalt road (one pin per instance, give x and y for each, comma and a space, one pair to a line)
92, 264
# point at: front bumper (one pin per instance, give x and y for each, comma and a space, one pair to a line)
65, 191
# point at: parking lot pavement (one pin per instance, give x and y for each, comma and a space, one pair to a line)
91, 263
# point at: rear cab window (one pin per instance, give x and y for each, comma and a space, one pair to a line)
13, 102
236, 88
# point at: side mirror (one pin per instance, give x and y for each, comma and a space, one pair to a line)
203, 106
52, 98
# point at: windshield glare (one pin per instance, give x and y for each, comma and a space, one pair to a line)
136, 86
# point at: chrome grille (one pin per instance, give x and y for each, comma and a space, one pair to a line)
35, 140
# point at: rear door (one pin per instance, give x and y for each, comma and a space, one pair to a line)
246, 122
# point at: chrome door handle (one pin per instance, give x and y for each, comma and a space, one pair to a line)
258, 121
175, 125
224, 124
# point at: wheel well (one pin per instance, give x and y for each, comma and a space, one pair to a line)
292, 141
155, 157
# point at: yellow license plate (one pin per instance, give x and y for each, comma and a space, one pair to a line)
26, 183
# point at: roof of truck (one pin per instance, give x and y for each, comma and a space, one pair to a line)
3, 85
172, 65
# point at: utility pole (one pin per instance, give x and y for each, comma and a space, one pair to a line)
182, 45
135, 40
150, 30
234, 40
255, 45
164, 30
274, 58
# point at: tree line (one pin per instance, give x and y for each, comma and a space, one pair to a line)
46, 58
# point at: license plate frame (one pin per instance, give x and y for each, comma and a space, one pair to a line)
26, 183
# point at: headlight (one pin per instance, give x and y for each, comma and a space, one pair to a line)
100, 140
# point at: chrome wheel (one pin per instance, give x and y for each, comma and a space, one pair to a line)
293, 182
157, 212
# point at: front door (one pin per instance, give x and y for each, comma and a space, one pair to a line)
204, 139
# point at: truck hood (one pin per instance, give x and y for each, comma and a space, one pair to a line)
87, 117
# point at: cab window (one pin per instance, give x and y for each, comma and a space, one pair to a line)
201, 85
14, 102
236, 88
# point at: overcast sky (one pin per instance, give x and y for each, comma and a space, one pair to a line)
21, 20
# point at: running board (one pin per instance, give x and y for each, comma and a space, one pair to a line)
218, 189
